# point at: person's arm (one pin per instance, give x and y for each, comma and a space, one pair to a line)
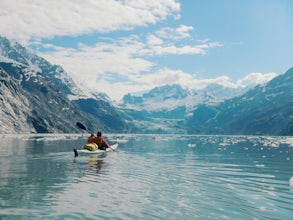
105, 143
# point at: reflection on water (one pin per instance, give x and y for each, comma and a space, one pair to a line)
150, 177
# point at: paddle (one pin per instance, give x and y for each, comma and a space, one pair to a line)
81, 126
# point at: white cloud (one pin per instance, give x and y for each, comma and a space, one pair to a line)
250, 79
153, 40
117, 57
164, 76
200, 49
189, 80
115, 65
26, 19
179, 33
177, 41
116, 69
124, 61
257, 78
96, 65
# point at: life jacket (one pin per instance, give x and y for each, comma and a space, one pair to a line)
91, 139
99, 141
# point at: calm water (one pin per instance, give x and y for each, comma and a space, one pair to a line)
162, 177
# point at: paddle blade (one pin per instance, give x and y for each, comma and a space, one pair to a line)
75, 153
81, 126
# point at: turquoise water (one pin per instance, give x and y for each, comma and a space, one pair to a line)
150, 177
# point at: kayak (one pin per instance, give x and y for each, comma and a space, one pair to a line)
81, 152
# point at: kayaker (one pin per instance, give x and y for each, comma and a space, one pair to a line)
100, 141
91, 139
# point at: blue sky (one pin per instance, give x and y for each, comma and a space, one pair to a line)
122, 46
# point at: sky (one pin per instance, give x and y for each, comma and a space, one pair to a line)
130, 46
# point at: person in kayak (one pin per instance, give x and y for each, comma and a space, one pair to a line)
91, 139
91, 146
99, 140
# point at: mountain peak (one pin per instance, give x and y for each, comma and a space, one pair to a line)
168, 97
166, 92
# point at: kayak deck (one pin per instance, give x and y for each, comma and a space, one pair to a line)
87, 152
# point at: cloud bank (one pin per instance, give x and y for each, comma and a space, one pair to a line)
127, 62
27, 19
120, 60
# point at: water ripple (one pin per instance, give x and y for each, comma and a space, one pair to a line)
190, 177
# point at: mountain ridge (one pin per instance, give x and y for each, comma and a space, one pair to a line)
38, 97
265, 110
165, 109
168, 97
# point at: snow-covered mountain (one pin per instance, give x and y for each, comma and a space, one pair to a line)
266, 109
164, 109
263, 109
169, 97
160, 98
36, 96
19, 56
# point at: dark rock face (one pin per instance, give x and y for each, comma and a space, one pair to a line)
265, 110
34, 97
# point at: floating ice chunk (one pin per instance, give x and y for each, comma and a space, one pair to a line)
291, 181
289, 141
191, 145
121, 140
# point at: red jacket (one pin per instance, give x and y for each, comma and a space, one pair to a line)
91, 139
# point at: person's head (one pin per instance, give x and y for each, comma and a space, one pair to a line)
99, 134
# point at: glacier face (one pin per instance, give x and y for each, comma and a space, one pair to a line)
166, 109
